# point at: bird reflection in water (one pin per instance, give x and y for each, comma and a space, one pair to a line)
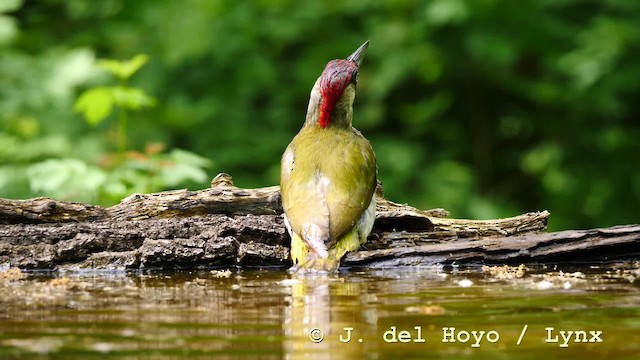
319, 308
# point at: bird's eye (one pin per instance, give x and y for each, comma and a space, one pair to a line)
355, 78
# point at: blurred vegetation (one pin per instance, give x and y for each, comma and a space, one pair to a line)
487, 108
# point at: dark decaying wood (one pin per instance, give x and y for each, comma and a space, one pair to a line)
229, 226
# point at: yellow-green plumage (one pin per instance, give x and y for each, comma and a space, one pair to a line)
328, 177
330, 186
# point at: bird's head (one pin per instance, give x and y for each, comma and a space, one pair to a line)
334, 91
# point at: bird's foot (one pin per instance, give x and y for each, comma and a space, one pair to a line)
316, 264
324, 265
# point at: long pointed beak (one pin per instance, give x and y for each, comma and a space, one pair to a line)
357, 55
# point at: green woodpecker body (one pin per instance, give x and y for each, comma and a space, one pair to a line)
328, 174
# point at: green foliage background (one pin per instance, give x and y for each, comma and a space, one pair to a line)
487, 108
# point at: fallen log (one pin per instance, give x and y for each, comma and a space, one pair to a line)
228, 226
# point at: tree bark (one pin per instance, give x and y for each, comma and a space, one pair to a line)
229, 226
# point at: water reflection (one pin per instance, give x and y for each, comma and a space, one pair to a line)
307, 319
271, 314
324, 318
337, 316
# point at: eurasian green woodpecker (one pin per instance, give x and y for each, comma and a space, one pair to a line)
328, 173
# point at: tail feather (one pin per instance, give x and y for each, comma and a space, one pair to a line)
315, 238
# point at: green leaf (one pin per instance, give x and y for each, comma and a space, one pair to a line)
186, 166
441, 12
15, 150
599, 48
189, 158
72, 69
132, 98
8, 29
95, 104
65, 179
542, 158
124, 69
10, 5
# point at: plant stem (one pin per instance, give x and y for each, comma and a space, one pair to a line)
123, 118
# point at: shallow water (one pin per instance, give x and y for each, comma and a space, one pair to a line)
271, 314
